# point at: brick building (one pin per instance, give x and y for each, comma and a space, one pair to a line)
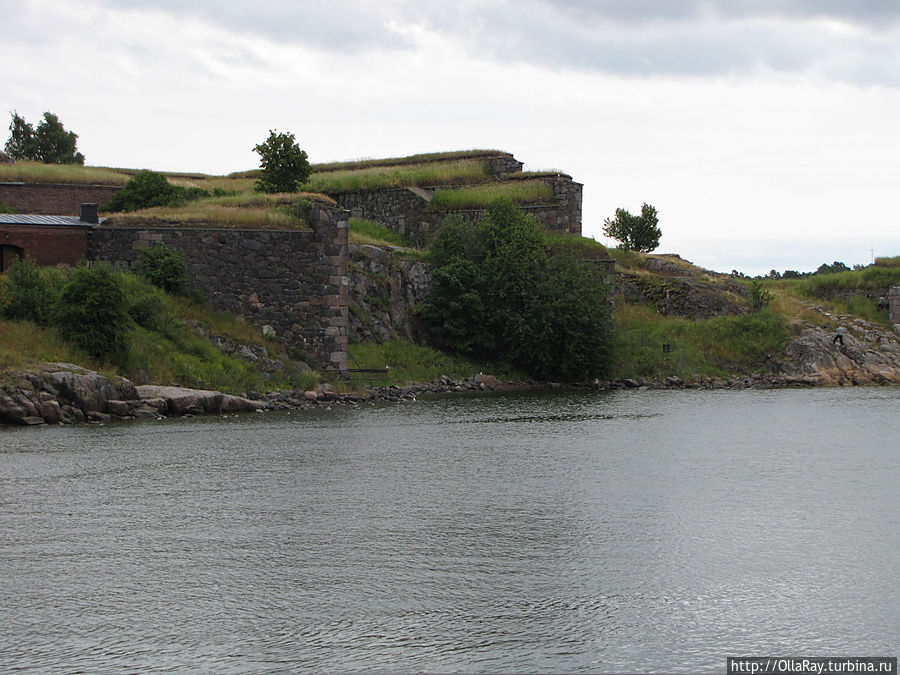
47, 240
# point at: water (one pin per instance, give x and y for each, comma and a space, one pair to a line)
627, 531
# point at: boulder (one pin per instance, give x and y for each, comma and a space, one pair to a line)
87, 391
183, 401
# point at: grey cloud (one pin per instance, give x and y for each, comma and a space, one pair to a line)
629, 37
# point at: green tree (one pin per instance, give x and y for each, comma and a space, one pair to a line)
20, 144
497, 293
284, 165
49, 143
92, 313
635, 233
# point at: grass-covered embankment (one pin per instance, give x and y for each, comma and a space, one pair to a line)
158, 337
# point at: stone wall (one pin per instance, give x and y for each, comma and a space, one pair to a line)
894, 298
401, 209
295, 281
384, 290
54, 199
405, 210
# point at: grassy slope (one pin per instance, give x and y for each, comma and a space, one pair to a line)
175, 351
737, 345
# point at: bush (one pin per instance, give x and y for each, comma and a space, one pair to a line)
147, 189
759, 295
32, 292
496, 293
165, 268
146, 304
93, 313
284, 165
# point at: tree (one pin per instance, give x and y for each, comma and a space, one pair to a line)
635, 233
498, 293
49, 143
20, 144
284, 165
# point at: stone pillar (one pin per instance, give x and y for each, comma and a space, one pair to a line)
895, 307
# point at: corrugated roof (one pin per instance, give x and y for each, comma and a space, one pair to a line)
28, 219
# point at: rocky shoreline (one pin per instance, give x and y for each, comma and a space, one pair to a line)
67, 394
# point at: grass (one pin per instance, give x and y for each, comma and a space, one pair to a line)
253, 210
479, 196
411, 363
888, 262
717, 347
870, 278
24, 342
74, 174
854, 292
458, 172
423, 158
584, 248
375, 234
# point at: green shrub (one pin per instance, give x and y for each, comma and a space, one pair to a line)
165, 268
759, 295
146, 304
93, 313
33, 292
6, 208
148, 189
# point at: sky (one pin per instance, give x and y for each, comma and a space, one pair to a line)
764, 132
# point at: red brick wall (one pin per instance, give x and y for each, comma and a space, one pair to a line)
53, 199
47, 245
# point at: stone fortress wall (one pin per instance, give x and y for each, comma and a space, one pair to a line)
294, 281
406, 210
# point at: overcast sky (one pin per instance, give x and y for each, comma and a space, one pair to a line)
763, 131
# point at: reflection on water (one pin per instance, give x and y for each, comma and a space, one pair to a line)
632, 531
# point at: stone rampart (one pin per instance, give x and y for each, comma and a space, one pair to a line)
405, 210
295, 281
54, 199
894, 299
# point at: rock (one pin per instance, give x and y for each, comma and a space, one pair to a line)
182, 401
32, 420
87, 391
159, 405
11, 412
100, 417
485, 381
630, 383
125, 389
50, 411
310, 395
119, 408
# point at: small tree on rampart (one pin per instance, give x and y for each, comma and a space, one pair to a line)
284, 165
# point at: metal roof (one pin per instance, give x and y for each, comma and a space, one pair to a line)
27, 219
